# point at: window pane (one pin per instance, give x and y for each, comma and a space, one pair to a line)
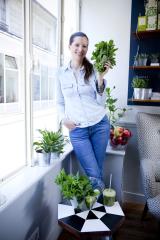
46, 37
44, 83
12, 114
13, 15
11, 86
10, 62
44, 42
1, 79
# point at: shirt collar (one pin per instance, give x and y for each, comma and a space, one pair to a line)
68, 67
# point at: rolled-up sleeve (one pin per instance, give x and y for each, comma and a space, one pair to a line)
101, 97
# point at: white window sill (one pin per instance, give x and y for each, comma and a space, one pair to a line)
23, 180
110, 150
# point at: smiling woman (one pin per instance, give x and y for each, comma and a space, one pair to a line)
82, 111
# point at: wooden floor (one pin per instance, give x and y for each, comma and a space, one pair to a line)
133, 228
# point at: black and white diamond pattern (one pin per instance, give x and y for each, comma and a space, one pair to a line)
99, 219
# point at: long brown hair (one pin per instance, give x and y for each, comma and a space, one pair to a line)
86, 63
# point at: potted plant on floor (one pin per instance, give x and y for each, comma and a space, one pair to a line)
76, 188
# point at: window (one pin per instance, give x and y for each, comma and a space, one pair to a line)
12, 101
45, 54
15, 72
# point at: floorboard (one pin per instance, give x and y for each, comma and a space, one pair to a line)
136, 229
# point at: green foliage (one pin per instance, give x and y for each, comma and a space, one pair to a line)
50, 141
140, 82
104, 52
114, 113
74, 186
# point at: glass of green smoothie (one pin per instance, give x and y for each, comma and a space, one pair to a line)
90, 200
109, 195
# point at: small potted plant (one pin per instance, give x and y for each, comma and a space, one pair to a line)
56, 142
42, 149
113, 112
76, 188
50, 143
141, 88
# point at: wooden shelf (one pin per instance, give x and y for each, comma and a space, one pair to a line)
144, 100
147, 34
145, 67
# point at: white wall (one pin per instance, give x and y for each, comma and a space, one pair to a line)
110, 19
32, 205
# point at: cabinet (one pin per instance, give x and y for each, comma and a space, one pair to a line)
144, 43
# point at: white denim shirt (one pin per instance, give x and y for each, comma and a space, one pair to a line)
79, 101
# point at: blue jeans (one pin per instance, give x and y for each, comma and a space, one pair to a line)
90, 144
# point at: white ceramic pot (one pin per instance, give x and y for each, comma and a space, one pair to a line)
146, 93
142, 93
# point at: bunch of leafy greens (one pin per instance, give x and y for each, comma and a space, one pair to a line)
104, 52
114, 113
74, 186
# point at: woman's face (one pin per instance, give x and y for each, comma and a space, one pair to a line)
79, 48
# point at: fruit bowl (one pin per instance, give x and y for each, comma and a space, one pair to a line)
119, 137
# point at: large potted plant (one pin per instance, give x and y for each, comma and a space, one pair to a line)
49, 143
76, 188
119, 136
141, 88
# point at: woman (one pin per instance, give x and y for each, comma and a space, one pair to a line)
80, 102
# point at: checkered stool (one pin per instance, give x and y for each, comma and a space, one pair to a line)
99, 221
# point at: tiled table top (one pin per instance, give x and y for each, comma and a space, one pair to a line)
100, 219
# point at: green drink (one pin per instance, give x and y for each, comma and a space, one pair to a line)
90, 200
109, 195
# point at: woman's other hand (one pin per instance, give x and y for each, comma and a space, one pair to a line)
69, 124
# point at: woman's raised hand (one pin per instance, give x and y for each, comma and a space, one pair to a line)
107, 67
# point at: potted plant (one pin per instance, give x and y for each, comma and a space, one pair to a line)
49, 142
104, 52
141, 88
42, 149
56, 143
114, 113
76, 188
